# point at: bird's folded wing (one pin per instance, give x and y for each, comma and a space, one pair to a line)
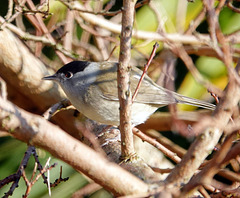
148, 93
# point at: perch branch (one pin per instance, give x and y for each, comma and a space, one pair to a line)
39, 132
123, 77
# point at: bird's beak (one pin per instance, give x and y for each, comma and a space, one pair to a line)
53, 77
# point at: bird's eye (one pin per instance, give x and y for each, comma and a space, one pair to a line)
68, 74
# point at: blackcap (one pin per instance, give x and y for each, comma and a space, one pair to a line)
92, 88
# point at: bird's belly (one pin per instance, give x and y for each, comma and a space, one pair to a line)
141, 112
108, 111
105, 113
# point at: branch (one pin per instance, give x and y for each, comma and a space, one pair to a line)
211, 129
43, 39
163, 121
39, 132
38, 23
104, 12
16, 64
124, 93
16, 69
199, 39
156, 144
181, 53
156, 45
206, 175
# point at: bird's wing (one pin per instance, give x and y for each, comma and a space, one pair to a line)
149, 92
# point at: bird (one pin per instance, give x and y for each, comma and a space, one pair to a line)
92, 89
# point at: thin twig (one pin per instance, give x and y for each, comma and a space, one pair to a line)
214, 96
206, 175
193, 25
156, 45
10, 9
86, 190
104, 12
3, 89
41, 25
161, 170
156, 144
204, 192
62, 105
68, 28
16, 177
181, 53
199, 39
232, 7
26, 36
59, 180
48, 176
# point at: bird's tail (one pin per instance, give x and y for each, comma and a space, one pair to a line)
194, 102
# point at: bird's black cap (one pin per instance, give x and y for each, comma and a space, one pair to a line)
74, 67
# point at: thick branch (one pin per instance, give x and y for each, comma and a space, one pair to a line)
37, 131
124, 93
205, 143
22, 72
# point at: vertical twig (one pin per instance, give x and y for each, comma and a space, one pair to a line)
156, 45
3, 89
38, 22
68, 29
124, 94
10, 9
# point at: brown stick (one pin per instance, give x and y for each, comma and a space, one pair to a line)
37, 131
156, 45
124, 93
